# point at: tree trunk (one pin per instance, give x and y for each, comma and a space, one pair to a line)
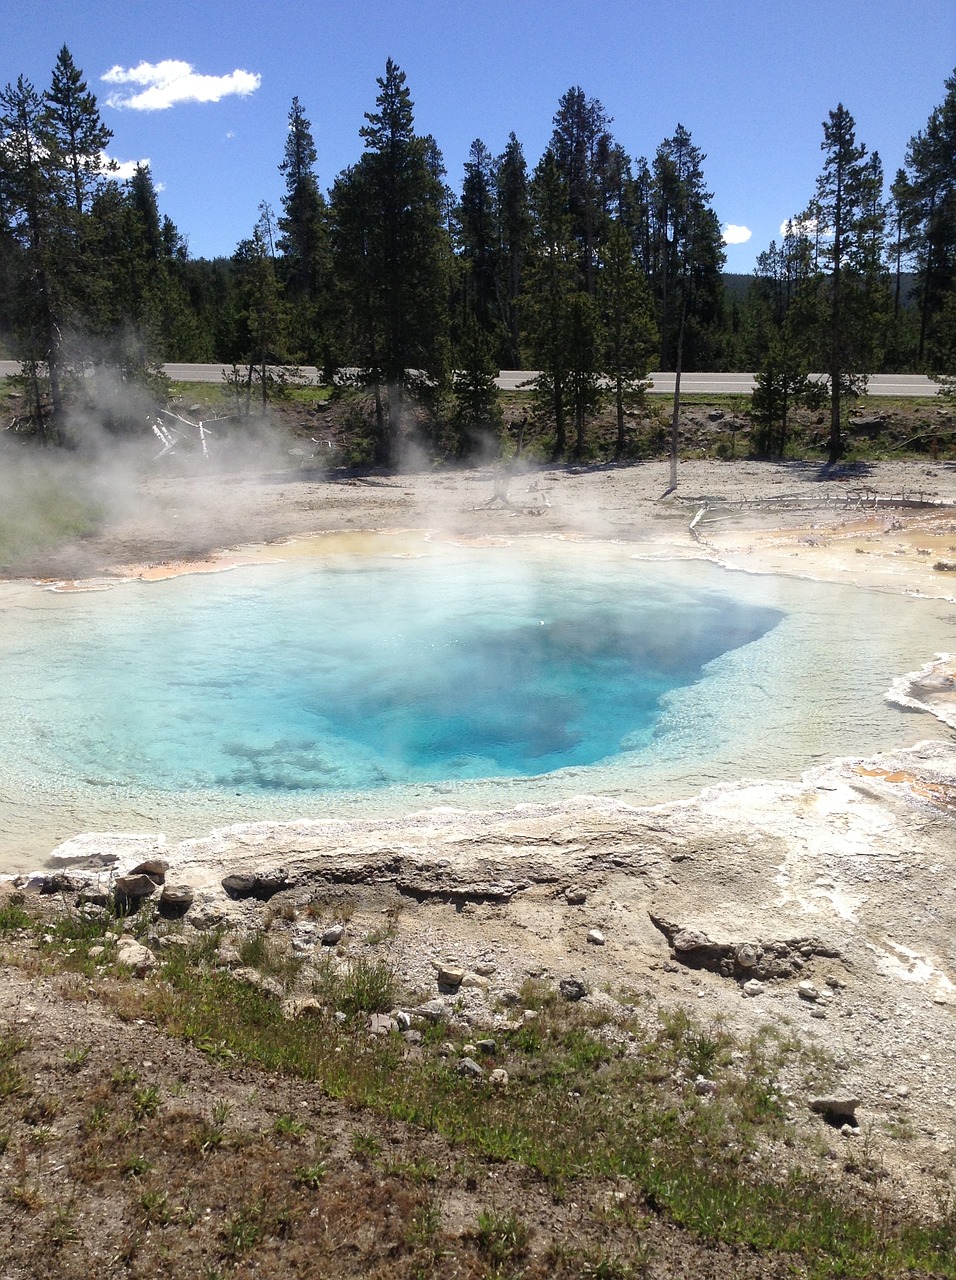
560, 435
677, 372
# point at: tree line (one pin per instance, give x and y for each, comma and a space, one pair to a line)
590, 267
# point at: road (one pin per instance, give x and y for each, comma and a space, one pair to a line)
722, 384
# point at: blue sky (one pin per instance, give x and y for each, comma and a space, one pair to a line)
751, 79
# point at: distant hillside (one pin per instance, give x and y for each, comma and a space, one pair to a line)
737, 283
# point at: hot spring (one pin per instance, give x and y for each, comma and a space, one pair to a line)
409, 675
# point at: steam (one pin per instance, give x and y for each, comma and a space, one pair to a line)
127, 490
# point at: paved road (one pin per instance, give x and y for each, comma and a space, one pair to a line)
881, 384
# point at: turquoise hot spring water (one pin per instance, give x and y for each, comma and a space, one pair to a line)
351, 683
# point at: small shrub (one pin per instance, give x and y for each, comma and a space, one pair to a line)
155, 1208
13, 917
123, 1075
220, 1112
310, 1175
136, 1167
75, 1058
366, 1146
287, 1126
242, 1231
146, 1101
369, 986
270, 958
501, 1237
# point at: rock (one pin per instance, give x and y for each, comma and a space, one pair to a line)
715, 415
207, 916
510, 999
450, 976
261, 885
470, 1068
90, 897
412, 1037
753, 987
817, 1012
340, 1017
155, 868
239, 885
308, 1007
529, 1015
169, 942
807, 991
433, 1010
498, 1078
836, 1109
95, 952
134, 955
485, 968
227, 954
705, 1088
134, 888
689, 940
380, 1024
253, 978
175, 901
596, 937
572, 989
488, 1046
269, 883
475, 981
333, 936
574, 895
58, 883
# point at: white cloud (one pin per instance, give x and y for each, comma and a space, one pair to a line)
736, 235
120, 169
803, 227
163, 84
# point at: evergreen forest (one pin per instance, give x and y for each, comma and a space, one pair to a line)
586, 265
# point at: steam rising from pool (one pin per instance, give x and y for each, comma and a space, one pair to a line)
473, 676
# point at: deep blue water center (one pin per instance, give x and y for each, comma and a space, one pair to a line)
376, 671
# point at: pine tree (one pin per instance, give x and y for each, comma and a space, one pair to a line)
581, 143
304, 241
925, 193
686, 251
477, 223
73, 120
688, 257
777, 350
33, 196
629, 333
849, 290
552, 281
261, 313
477, 415
514, 243
392, 257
